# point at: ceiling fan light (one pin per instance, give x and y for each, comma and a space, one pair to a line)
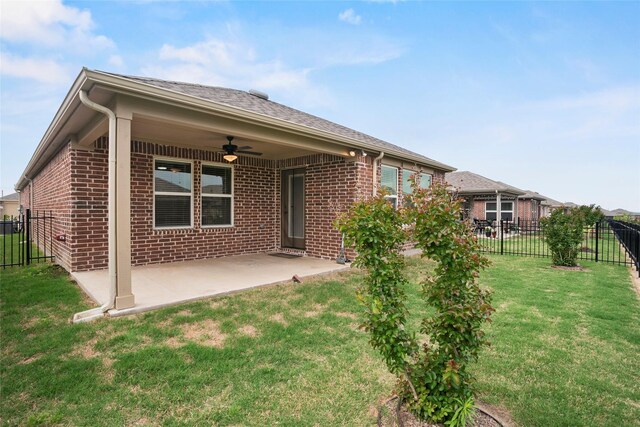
229, 157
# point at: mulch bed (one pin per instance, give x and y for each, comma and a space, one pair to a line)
391, 414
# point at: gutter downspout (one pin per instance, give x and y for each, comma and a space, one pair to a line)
95, 313
375, 172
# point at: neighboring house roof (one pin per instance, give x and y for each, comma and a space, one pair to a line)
607, 213
548, 201
621, 212
248, 102
527, 194
569, 205
13, 197
472, 183
534, 195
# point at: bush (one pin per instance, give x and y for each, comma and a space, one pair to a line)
432, 374
564, 234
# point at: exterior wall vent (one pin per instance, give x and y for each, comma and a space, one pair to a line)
259, 94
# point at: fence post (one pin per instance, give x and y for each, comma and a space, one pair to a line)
597, 237
502, 237
27, 224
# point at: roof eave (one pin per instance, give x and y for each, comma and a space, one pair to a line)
49, 136
489, 191
122, 84
173, 96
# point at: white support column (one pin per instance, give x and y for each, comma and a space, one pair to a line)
498, 209
124, 297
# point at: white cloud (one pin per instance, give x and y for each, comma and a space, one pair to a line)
49, 23
116, 61
41, 70
226, 63
349, 16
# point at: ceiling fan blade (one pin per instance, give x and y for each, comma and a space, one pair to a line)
251, 153
246, 147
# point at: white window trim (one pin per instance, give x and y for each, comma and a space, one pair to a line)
495, 211
230, 196
167, 193
391, 196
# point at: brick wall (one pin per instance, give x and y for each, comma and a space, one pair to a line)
90, 202
329, 189
52, 193
528, 209
254, 227
75, 187
332, 184
478, 209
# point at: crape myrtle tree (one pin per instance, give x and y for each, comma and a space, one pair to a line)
564, 232
432, 365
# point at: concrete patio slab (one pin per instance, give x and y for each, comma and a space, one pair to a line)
161, 285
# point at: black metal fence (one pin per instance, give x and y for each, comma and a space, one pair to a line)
26, 239
609, 241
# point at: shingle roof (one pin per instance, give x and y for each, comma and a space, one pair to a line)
551, 202
469, 182
529, 194
10, 197
248, 102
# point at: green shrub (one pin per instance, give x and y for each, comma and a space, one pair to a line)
432, 374
564, 233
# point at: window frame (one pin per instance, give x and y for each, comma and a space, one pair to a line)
229, 196
392, 197
495, 211
167, 193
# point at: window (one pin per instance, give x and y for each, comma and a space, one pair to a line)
506, 211
425, 180
217, 195
406, 183
172, 194
389, 182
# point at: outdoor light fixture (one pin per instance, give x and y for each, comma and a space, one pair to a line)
229, 157
353, 152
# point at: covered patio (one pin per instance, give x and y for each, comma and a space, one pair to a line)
162, 285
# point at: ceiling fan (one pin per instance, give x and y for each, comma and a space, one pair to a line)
230, 150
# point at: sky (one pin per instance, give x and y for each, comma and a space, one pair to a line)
544, 96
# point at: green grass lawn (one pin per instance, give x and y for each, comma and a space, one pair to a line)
11, 249
565, 352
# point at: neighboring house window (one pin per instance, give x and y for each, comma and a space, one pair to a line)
506, 209
506, 213
217, 195
389, 182
425, 180
172, 194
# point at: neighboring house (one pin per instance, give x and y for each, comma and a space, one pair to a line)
154, 184
548, 205
10, 206
529, 204
484, 197
607, 213
625, 213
